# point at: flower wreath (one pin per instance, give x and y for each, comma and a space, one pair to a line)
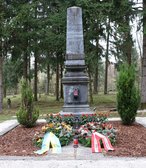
61, 130
86, 130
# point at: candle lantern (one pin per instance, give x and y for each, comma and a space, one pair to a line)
75, 142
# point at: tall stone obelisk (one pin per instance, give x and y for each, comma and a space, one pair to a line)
75, 80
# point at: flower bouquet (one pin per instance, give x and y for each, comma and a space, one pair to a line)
61, 130
85, 132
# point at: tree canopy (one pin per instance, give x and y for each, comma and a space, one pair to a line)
37, 28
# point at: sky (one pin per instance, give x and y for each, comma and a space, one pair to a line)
138, 35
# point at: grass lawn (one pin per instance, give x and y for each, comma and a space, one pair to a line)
48, 104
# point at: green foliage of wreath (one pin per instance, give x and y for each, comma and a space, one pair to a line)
85, 141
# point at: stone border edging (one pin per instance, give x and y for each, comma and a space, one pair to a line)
8, 125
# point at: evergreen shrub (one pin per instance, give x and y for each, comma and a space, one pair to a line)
128, 97
27, 115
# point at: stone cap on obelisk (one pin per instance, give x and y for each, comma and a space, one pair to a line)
74, 43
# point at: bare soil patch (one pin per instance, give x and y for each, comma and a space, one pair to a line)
131, 141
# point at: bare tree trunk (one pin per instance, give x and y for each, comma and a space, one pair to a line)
57, 81
25, 65
129, 49
96, 81
143, 66
128, 42
61, 85
4, 91
35, 75
106, 59
48, 79
90, 86
29, 67
1, 83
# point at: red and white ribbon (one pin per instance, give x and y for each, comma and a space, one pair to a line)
95, 142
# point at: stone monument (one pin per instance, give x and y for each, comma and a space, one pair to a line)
75, 80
